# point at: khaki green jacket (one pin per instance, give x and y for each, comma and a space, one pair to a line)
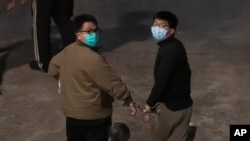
88, 83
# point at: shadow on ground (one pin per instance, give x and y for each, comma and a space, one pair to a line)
14, 55
113, 38
130, 29
20, 53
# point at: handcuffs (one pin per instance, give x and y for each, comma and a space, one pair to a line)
152, 110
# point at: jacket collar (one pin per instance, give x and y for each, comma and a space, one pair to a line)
80, 43
165, 41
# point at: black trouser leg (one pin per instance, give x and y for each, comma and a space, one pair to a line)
87, 130
62, 10
41, 31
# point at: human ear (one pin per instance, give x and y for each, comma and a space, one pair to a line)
78, 35
170, 32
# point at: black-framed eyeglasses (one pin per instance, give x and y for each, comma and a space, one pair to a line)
91, 31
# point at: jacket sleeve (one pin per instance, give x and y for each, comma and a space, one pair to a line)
162, 75
54, 65
106, 79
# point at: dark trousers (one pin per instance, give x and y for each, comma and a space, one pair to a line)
42, 12
87, 130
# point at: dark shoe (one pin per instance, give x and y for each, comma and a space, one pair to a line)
34, 65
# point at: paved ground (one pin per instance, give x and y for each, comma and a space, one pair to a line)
216, 36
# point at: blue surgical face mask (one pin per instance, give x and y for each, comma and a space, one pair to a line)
91, 39
159, 33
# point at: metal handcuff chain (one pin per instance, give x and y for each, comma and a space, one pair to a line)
153, 110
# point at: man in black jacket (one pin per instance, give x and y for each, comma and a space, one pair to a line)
171, 82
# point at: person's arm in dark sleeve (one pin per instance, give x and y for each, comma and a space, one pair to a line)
163, 73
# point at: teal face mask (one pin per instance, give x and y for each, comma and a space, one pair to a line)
91, 39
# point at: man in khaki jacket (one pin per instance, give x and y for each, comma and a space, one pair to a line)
88, 85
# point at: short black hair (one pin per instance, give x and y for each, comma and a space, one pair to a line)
167, 16
119, 132
79, 20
